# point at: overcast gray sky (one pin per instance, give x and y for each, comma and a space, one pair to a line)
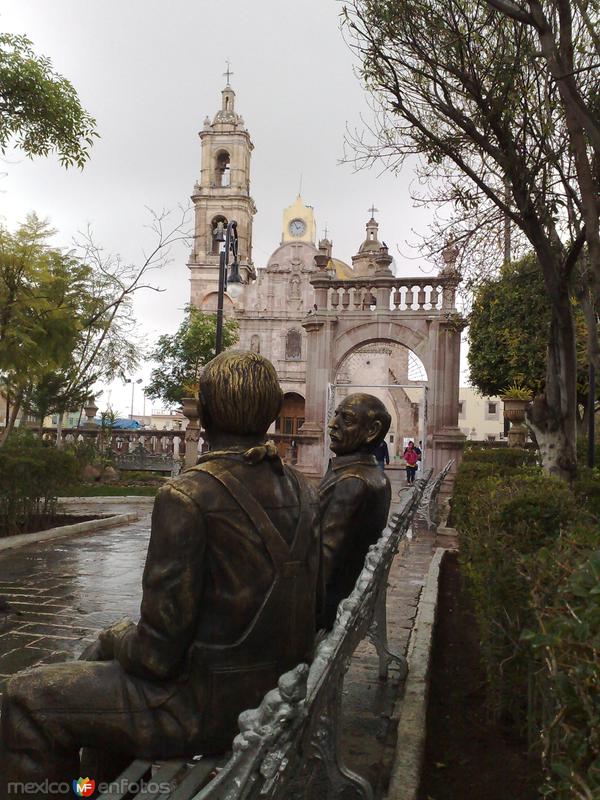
150, 72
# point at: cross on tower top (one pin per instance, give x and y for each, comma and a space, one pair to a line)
325, 232
228, 73
372, 210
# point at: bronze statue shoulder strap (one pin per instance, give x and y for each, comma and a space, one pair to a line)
276, 545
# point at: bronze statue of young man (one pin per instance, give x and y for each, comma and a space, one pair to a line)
229, 593
354, 495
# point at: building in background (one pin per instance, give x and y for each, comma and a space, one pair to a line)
480, 418
278, 296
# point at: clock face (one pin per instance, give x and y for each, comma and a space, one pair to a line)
297, 227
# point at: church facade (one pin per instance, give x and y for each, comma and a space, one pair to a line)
278, 296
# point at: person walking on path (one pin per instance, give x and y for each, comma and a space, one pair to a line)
411, 456
382, 454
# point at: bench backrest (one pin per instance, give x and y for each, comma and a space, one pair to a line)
428, 505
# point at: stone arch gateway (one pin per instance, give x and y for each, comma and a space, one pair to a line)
418, 313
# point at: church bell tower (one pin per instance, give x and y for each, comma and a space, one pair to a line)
222, 194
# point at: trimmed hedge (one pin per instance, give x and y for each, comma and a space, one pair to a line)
32, 474
530, 558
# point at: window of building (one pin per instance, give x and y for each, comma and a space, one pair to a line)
288, 425
299, 424
491, 437
391, 438
293, 345
491, 409
278, 424
461, 408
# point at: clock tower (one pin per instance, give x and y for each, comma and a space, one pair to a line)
221, 194
299, 223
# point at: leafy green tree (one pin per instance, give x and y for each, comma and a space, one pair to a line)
508, 332
181, 355
462, 86
508, 329
41, 292
58, 392
66, 318
39, 109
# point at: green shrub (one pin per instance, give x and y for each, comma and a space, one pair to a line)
566, 638
530, 559
32, 474
502, 456
534, 510
587, 489
582, 451
477, 465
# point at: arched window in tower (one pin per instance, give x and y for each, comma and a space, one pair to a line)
218, 227
222, 169
255, 343
293, 345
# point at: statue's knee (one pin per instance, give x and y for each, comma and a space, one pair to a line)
17, 691
29, 691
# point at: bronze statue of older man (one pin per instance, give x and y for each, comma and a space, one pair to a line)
229, 593
354, 495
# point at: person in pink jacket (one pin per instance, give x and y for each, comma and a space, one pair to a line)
412, 455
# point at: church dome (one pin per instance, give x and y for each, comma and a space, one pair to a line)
343, 271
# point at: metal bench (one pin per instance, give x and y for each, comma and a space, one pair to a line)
427, 511
288, 748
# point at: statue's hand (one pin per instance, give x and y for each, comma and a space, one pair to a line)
103, 649
93, 652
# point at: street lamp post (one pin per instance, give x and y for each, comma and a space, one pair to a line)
232, 283
133, 383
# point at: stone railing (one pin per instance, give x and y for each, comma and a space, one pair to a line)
408, 295
122, 441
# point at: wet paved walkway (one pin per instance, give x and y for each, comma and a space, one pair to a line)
65, 591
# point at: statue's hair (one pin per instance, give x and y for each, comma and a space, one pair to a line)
375, 410
240, 392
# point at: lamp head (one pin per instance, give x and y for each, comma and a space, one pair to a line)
235, 285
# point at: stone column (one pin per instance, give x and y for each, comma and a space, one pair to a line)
192, 432
90, 409
320, 329
445, 438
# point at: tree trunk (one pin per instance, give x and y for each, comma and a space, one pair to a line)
582, 418
14, 412
59, 427
553, 415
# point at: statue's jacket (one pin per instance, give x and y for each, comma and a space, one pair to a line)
230, 589
354, 498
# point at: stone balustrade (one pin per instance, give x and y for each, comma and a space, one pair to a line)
157, 442
375, 294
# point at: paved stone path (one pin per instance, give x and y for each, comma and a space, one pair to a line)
66, 590
369, 728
